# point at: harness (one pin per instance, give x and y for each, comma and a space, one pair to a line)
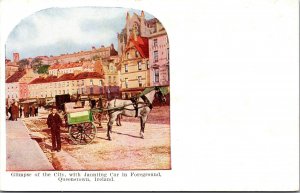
135, 103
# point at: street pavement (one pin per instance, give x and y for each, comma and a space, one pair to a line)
23, 153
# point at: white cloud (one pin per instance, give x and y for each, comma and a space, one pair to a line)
79, 26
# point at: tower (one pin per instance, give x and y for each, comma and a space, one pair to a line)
16, 57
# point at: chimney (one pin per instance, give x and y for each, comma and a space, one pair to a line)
102, 46
93, 48
16, 57
127, 16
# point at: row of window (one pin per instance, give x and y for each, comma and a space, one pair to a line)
155, 42
139, 66
68, 83
58, 92
155, 55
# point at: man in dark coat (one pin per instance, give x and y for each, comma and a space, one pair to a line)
54, 122
15, 111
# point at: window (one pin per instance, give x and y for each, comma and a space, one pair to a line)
126, 67
140, 81
82, 90
77, 82
64, 92
91, 90
155, 54
78, 91
63, 84
156, 75
139, 65
136, 54
73, 83
154, 42
59, 91
100, 82
148, 65
115, 79
91, 82
82, 82
109, 79
126, 82
127, 55
68, 83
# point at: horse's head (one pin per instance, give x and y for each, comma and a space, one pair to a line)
160, 95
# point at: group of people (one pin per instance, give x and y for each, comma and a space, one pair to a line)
15, 111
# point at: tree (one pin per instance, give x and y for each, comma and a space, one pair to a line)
36, 63
23, 64
43, 69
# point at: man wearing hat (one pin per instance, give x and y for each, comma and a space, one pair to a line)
54, 122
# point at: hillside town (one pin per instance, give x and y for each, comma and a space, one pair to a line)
140, 60
59, 107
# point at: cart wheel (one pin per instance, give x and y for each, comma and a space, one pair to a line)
82, 133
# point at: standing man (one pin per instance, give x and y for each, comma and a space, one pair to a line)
21, 110
54, 122
15, 111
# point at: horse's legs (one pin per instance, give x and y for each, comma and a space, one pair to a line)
118, 120
112, 118
143, 123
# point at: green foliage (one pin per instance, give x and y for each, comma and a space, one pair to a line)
22, 64
43, 69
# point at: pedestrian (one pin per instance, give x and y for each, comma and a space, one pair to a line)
54, 122
21, 111
15, 111
36, 110
10, 112
26, 110
32, 111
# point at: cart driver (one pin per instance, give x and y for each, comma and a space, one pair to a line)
54, 122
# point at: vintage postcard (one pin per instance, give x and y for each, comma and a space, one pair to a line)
103, 90
140, 95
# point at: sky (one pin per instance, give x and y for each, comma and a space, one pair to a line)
58, 31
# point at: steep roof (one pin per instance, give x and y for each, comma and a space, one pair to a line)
85, 75
16, 76
66, 77
141, 44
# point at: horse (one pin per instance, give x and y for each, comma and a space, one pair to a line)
139, 106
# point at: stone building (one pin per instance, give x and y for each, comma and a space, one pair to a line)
16, 86
73, 83
94, 53
159, 58
142, 26
134, 64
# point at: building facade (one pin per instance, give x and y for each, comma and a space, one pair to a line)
138, 23
81, 83
135, 66
16, 86
101, 52
159, 59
